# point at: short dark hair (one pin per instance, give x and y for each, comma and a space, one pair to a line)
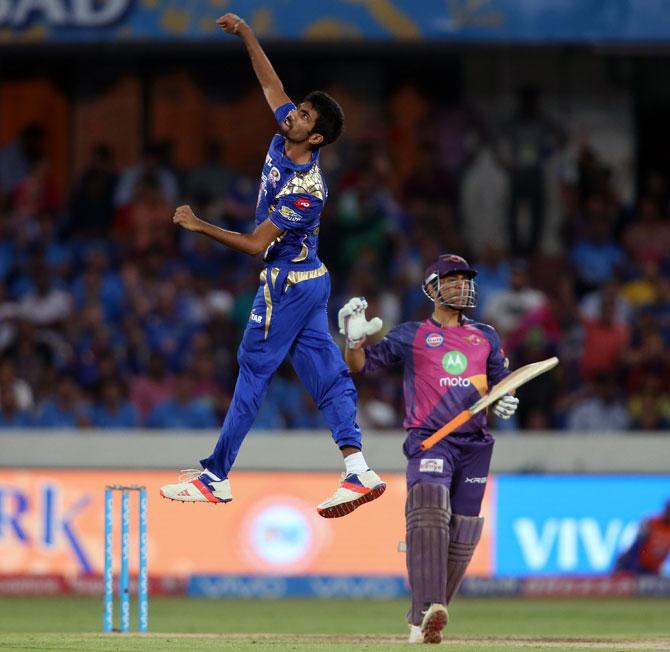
330, 120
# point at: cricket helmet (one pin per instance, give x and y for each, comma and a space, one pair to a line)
463, 296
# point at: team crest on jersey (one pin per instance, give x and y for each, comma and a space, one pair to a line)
274, 177
474, 339
434, 340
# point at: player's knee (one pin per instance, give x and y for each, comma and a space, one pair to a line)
464, 534
427, 505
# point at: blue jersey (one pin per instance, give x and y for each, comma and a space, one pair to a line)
292, 197
289, 314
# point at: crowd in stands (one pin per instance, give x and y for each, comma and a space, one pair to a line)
110, 317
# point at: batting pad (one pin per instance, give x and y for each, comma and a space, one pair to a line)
464, 535
427, 513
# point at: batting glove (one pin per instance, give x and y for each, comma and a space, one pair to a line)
353, 324
506, 406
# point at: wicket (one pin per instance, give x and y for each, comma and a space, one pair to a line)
124, 577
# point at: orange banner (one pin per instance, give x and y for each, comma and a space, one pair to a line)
51, 521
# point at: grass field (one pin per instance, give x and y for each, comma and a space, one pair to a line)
477, 625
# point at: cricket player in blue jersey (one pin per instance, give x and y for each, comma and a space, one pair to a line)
288, 316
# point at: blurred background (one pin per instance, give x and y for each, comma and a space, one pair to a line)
529, 137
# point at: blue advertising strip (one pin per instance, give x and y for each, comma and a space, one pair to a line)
567, 587
570, 525
388, 587
523, 21
306, 586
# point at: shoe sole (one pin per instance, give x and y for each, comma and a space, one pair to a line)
176, 500
432, 631
346, 508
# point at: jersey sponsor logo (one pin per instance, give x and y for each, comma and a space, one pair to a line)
290, 214
475, 480
474, 339
434, 340
427, 465
254, 316
457, 381
302, 203
454, 363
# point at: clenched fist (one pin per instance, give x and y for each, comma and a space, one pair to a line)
230, 23
186, 218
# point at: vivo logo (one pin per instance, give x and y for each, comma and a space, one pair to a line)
566, 543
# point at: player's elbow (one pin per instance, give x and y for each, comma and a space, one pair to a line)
255, 246
254, 251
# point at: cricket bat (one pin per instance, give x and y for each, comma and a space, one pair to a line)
517, 378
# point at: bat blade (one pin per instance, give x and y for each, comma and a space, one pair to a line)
517, 378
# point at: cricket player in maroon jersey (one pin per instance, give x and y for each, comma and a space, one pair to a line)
449, 362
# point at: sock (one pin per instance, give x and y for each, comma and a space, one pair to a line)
216, 478
355, 463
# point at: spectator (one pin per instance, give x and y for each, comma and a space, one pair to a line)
184, 411
597, 257
151, 166
212, 180
506, 308
46, 305
650, 410
590, 307
140, 224
10, 382
528, 140
65, 407
647, 238
605, 341
601, 409
493, 275
11, 415
150, 389
651, 546
114, 410
18, 158
92, 201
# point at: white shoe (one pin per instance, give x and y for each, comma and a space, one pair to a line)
434, 620
355, 489
196, 486
415, 634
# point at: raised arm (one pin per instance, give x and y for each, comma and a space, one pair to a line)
355, 358
267, 77
355, 327
247, 243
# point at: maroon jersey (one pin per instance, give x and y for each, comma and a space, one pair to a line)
446, 370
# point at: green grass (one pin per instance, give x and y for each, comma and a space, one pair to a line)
476, 625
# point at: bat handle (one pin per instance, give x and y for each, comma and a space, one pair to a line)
447, 428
